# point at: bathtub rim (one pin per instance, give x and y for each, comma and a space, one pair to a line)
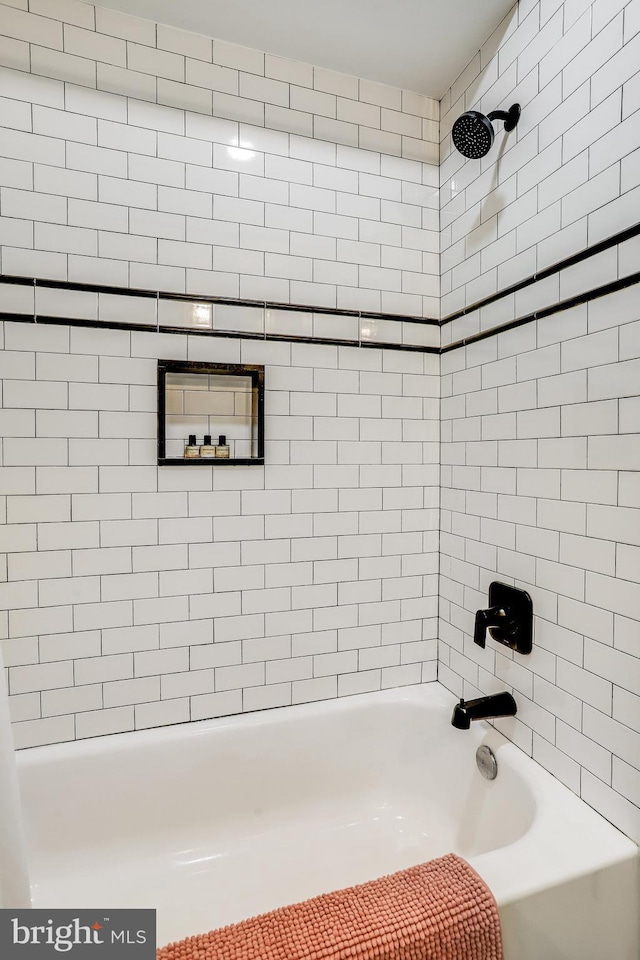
532, 872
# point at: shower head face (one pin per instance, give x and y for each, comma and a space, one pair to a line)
473, 135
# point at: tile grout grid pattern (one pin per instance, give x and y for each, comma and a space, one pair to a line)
540, 446
135, 154
139, 595
163, 159
567, 177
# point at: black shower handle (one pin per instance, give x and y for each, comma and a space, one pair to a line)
484, 619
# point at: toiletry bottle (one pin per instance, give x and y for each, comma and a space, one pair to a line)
222, 449
207, 449
192, 450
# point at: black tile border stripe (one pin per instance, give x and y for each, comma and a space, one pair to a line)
579, 257
223, 334
593, 294
571, 261
195, 298
580, 298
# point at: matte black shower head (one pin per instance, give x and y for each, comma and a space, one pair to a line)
473, 133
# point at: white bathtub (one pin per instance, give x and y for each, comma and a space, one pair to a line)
214, 821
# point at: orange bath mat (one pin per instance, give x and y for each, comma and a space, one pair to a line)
440, 910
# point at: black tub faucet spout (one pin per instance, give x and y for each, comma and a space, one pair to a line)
483, 708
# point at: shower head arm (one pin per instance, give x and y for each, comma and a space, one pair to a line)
510, 116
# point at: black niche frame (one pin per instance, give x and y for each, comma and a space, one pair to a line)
254, 371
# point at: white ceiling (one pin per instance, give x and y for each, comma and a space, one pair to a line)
420, 45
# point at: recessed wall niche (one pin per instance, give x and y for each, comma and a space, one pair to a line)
210, 413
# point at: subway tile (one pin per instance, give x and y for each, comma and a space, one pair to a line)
261, 88
629, 340
626, 780
308, 691
183, 96
296, 122
290, 71
625, 708
559, 764
587, 552
121, 692
21, 262
380, 94
95, 46
619, 63
33, 733
63, 66
117, 24
613, 523
20, 595
97, 723
216, 704
589, 419
612, 217
15, 53
29, 622
230, 107
70, 11
169, 173
593, 350
238, 57
610, 804
382, 141
612, 735
66, 480
20, 145
570, 452
30, 27
212, 76
585, 751
619, 596
158, 63
17, 173
184, 42
592, 621
594, 486
69, 700
613, 380
24, 86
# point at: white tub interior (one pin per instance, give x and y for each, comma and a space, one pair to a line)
213, 822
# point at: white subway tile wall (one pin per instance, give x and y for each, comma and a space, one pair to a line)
135, 595
567, 177
540, 452
138, 155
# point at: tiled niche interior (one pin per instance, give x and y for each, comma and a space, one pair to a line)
220, 405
